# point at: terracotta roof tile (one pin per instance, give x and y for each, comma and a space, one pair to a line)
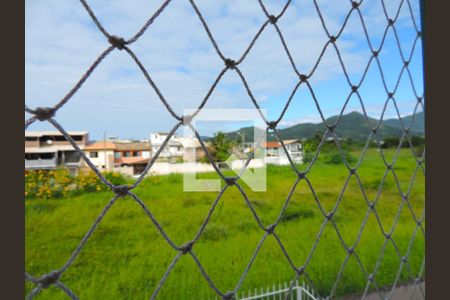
101, 145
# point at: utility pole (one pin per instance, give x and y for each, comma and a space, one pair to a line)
104, 149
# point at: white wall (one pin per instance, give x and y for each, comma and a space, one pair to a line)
157, 139
254, 163
163, 168
104, 158
282, 160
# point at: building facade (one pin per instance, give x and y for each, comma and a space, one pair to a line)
275, 153
186, 148
101, 154
50, 150
130, 157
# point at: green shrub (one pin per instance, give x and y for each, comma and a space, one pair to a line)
45, 184
335, 158
59, 183
115, 178
89, 182
307, 158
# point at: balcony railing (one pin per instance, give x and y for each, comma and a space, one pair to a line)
40, 163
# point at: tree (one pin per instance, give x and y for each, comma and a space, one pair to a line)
220, 146
391, 142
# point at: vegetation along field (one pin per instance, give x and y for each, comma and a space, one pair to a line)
126, 256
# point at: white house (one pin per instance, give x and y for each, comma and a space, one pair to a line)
177, 147
101, 154
110, 155
275, 153
172, 149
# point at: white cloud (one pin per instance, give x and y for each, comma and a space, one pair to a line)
62, 42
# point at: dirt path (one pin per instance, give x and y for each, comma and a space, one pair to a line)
399, 293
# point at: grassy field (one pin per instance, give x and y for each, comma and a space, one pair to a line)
126, 256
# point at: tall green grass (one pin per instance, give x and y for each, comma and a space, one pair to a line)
126, 256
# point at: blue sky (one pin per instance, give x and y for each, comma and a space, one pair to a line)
62, 42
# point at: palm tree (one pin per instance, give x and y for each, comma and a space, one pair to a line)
221, 146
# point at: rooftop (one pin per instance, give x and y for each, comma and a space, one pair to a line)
133, 160
101, 145
132, 145
276, 144
55, 132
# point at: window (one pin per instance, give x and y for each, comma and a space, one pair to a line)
60, 138
126, 154
93, 154
117, 155
77, 138
136, 153
34, 156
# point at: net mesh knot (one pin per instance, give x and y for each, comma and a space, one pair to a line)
272, 124
44, 113
231, 64
273, 19
117, 42
230, 180
303, 77
121, 190
186, 120
228, 296
186, 247
270, 229
50, 278
329, 216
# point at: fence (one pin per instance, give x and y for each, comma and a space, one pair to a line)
298, 292
46, 114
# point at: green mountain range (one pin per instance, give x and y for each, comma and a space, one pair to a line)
352, 125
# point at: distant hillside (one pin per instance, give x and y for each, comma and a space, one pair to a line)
246, 132
352, 125
418, 125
